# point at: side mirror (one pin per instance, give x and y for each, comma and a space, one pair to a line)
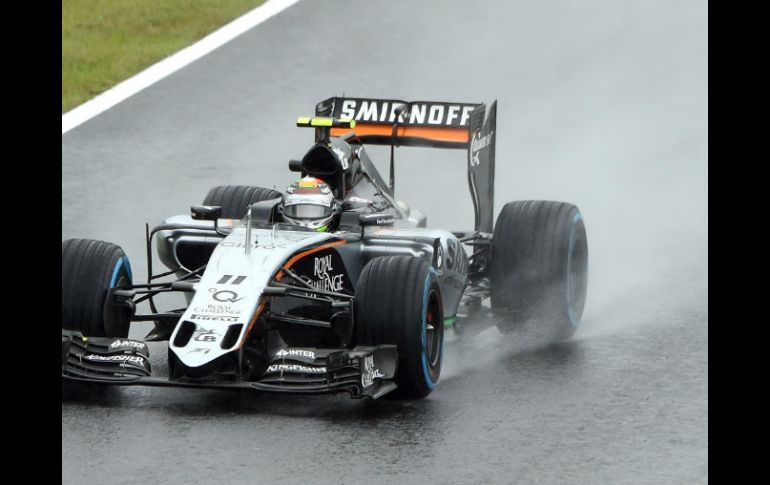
376, 219
206, 212
265, 211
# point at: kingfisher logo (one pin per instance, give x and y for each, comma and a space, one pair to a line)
450, 115
296, 369
115, 358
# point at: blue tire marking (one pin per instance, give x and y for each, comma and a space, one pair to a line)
572, 319
122, 263
425, 371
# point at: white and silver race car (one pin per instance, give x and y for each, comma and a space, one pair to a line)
360, 308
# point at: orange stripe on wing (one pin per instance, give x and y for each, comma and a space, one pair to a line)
251, 324
301, 255
457, 135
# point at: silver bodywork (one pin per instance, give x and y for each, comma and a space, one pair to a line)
217, 304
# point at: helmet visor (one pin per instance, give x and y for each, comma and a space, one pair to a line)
307, 211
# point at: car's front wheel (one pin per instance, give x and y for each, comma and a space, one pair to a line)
89, 270
398, 301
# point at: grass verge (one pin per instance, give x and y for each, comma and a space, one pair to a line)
107, 41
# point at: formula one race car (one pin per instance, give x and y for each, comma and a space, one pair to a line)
359, 304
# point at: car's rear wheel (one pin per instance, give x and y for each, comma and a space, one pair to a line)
398, 301
236, 199
89, 270
539, 268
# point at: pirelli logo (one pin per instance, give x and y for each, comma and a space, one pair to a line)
415, 113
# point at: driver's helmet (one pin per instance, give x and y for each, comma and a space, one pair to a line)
309, 202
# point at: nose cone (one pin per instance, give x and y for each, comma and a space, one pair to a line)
227, 298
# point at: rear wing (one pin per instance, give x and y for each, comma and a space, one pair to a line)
468, 126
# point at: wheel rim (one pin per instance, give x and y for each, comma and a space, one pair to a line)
577, 276
434, 330
123, 314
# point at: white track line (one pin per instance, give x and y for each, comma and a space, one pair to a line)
173, 63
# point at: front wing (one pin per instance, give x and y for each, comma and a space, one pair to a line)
361, 372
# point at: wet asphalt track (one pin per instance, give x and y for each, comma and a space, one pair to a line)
601, 103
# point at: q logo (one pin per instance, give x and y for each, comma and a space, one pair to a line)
226, 296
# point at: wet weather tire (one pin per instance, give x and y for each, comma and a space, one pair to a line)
398, 301
89, 269
539, 269
236, 199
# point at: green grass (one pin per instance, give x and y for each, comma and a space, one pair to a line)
107, 41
